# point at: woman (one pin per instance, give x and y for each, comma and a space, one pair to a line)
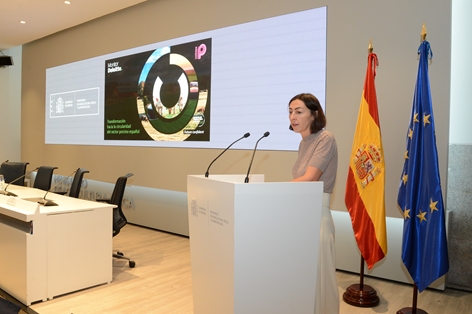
318, 161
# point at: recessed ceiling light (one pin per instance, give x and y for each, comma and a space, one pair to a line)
22, 22
67, 2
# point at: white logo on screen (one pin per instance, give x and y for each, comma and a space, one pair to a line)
114, 67
59, 105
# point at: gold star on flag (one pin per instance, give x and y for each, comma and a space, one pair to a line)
432, 205
421, 216
410, 133
406, 213
415, 118
406, 155
426, 119
405, 179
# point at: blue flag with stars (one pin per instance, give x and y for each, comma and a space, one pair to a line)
424, 247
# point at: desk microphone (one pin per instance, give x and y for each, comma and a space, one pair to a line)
244, 136
46, 202
5, 192
246, 180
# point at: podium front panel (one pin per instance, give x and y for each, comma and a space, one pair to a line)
254, 246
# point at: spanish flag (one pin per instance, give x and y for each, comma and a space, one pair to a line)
365, 186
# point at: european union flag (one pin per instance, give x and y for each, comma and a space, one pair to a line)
424, 248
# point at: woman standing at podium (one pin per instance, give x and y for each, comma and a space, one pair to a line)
318, 161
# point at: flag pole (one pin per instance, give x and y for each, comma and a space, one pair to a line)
423, 32
359, 294
414, 308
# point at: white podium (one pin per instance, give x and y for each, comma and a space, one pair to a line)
253, 246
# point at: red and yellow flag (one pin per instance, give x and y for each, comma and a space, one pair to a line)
365, 186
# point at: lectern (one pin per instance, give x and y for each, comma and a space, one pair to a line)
253, 246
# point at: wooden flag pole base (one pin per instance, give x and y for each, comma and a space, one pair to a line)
361, 297
359, 294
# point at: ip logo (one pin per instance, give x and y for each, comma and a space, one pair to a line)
200, 51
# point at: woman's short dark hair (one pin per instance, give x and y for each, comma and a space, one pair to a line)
312, 103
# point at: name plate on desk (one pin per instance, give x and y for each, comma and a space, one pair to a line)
18, 208
11, 201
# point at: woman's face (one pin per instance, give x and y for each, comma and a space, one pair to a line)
300, 117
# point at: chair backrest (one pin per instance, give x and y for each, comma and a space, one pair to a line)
12, 171
44, 178
77, 182
119, 218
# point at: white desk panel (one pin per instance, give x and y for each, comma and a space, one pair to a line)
52, 250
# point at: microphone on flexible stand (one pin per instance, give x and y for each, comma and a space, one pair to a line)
46, 202
244, 136
246, 180
5, 192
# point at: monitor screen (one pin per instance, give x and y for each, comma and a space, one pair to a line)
203, 90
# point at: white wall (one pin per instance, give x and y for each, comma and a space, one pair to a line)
461, 73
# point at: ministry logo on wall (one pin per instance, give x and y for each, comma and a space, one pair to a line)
160, 95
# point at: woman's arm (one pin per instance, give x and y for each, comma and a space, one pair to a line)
311, 174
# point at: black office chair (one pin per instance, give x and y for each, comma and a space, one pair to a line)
77, 182
7, 307
119, 219
12, 171
74, 190
44, 178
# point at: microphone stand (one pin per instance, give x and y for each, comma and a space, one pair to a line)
46, 202
7, 193
207, 172
246, 180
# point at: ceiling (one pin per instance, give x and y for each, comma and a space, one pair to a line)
46, 17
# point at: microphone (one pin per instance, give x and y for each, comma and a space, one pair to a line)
244, 136
246, 180
46, 202
5, 192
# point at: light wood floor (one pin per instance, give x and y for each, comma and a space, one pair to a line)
161, 284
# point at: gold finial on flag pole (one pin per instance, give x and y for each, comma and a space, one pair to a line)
423, 32
370, 49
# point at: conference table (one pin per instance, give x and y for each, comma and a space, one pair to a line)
47, 251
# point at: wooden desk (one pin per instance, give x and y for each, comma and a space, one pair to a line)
53, 250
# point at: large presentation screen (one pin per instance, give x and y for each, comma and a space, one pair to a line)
199, 91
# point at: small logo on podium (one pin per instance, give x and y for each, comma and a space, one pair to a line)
194, 208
